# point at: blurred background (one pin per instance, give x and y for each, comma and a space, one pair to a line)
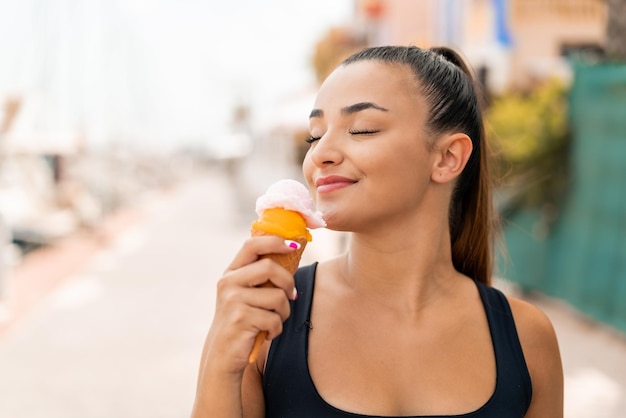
135, 136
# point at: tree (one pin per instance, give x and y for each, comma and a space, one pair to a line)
616, 30
334, 47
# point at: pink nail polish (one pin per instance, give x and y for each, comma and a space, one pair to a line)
292, 244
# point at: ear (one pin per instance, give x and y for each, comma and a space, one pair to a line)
452, 153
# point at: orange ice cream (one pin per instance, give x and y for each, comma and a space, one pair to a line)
282, 222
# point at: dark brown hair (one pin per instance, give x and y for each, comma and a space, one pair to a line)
454, 100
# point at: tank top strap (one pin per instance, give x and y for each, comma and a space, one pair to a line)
287, 365
513, 384
305, 283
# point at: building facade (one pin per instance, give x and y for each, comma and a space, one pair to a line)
516, 42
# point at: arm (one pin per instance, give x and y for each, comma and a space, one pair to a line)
218, 392
541, 350
229, 387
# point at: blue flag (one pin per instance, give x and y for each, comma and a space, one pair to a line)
503, 35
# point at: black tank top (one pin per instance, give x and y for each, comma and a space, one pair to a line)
290, 392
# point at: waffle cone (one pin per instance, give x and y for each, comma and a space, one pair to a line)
289, 261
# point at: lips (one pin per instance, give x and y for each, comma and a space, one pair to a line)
329, 184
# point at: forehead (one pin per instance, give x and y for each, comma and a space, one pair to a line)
390, 85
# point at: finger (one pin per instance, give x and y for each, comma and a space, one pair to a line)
258, 273
270, 299
233, 333
254, 247
249, 321
269, 322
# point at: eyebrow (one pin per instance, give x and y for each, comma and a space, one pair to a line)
349, 110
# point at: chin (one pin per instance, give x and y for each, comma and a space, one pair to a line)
335, 222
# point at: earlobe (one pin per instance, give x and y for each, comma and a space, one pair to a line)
454, 152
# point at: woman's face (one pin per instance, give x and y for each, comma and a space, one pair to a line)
369, 162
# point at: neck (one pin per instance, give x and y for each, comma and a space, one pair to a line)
405, 273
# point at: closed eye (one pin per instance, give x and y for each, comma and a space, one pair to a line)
312, 139
364, 132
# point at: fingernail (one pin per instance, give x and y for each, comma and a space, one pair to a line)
292, 244
294, 296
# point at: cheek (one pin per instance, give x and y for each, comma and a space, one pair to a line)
404, 172
396, 164
307, 170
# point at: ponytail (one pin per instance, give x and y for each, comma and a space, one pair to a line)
472, 214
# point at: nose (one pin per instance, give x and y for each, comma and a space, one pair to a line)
326, 151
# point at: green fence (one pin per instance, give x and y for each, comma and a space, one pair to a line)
582, 258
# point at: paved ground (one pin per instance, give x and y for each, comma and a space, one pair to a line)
120, 329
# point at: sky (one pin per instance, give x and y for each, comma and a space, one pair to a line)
158, 72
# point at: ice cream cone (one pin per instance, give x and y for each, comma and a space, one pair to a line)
285, 210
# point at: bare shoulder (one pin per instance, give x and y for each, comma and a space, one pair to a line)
533, 325
541, 351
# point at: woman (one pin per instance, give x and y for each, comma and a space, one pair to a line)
405, 322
